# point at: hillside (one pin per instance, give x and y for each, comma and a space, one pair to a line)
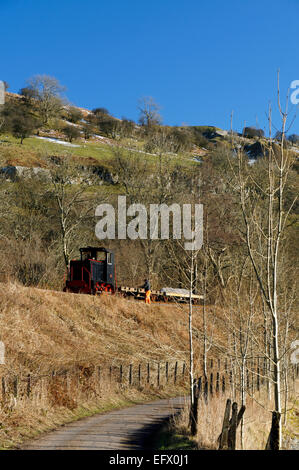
96, 148
46, 331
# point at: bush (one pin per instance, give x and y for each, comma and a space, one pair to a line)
71, 133
293, 138
87, 130
251, 132
74, 114
100, 111
19, 120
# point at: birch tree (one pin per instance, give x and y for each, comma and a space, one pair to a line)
266, 259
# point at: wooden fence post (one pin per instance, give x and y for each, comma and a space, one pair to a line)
166, 372
273, 439
231, 440
206, 389
130, 374
15, 386
223, 444
66, 381
227, 438
217, 382
175, 371
199, 386
3, 387
28, 385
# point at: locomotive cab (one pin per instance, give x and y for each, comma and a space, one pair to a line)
93, 274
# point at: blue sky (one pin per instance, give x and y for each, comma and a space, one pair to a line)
198, 59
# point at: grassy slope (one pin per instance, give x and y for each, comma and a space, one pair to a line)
92, 152
45, 330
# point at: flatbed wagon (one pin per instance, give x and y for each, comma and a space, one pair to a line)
162, 295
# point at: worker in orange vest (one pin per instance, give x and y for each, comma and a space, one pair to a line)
147, 288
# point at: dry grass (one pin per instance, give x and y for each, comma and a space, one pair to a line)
45, 330
257, 422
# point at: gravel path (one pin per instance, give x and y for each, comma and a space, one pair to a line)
127, 429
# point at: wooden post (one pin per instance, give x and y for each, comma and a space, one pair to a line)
175, 371
166, 372
199, 387
227, 438
148, 373
15, 386
158, 375
3, 388
66, 382
130, 374
273, 439
240, 414
28, 385
231, 441
206, 390
223, 438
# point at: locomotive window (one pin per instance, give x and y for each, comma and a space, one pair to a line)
101, 256
109, 258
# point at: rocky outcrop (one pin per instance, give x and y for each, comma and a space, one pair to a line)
14, 173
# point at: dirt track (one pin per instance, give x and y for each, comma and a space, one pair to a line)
127, 429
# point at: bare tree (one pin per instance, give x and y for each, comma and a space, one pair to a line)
149, 112
74, 207
266, 259
47, 93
